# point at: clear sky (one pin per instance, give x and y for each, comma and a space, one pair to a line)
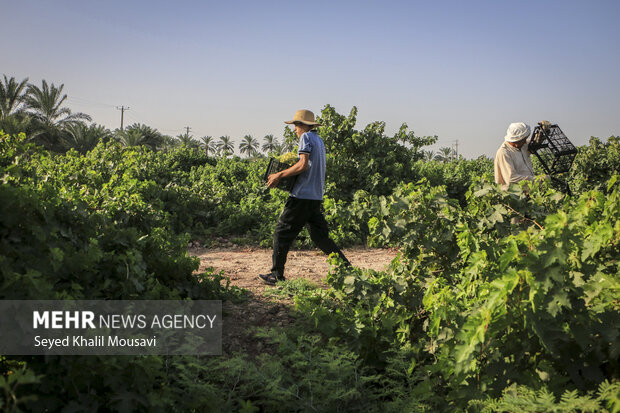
461, 70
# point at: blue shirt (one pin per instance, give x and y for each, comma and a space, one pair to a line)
310, 183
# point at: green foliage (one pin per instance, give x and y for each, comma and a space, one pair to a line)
298, 372
10, 399
68, 219
456, 175
44, 105
291, 288
83, 138
516, 287
12, 95
507, 298
368, 159
363, 307
348, 221
76, 227
523, 399
595, 164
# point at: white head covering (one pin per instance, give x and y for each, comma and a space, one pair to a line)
517, 132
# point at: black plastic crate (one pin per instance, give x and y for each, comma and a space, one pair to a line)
275, 166
555, 152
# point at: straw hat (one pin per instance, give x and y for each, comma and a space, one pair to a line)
303, 116
517, 132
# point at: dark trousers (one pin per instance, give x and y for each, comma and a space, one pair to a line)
296, 214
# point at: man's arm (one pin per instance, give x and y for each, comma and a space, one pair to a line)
301, 165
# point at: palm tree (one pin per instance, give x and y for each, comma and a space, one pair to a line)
167, 142
279, 150
17, 123
188, 141
131, 137
248, 145
271, 144
151, 137
428, 155
45, 106
225, 146
445, 155
208, 144
12, 96
84, 138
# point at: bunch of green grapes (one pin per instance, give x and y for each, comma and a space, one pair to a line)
289, 157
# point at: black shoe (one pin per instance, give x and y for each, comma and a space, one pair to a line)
270, 278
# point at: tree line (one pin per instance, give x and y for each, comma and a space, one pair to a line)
40, 112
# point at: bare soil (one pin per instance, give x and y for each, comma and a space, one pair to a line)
242, 266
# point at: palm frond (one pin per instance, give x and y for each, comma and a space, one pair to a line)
12, 94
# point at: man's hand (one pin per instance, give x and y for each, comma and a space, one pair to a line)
302, 164
274, 179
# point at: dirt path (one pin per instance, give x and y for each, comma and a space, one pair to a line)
242, 266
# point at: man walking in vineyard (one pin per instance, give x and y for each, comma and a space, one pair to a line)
303, 206
512, 160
